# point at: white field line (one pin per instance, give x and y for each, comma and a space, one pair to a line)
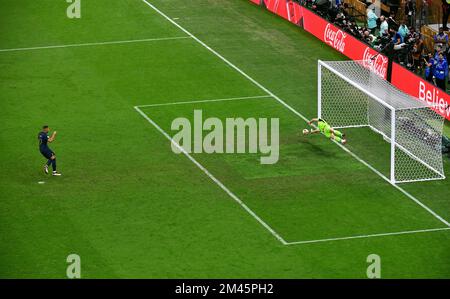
206, 101
96, 44
292, 109
370, 236
213, 178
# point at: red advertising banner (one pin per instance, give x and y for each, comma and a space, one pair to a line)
294, 11
289, 10
418, 87
344, 42
278, 7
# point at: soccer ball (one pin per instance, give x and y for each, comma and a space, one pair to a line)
305, 131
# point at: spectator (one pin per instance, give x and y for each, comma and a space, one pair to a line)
441, 39
384, 26
437, 52
445, 14
417, 51
375, 6
371, 20
441, 71
368, 38
413, 34
321, 7
397, 46
393, 6
410, 11
403, 31
391, 21
396, 38
429, 68
424, 12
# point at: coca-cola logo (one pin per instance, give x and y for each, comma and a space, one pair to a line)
376, 63
335, 37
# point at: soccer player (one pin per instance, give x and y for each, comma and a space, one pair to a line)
324, 128
46, 151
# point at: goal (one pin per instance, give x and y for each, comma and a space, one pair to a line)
350, 95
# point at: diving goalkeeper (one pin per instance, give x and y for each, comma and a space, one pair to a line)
324, 128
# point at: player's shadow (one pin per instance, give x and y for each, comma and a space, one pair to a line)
315, 149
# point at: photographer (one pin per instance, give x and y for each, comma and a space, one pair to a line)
368, 38
381, 44
402, 48
397, 39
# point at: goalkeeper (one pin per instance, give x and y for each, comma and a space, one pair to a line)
324, 128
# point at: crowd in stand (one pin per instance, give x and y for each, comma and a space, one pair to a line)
394, 37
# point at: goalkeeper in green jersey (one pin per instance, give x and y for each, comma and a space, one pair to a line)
324, 128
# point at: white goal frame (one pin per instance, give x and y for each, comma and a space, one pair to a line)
423, 153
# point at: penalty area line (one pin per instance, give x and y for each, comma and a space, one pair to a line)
212, 177
96, 44
205, 101
369, 236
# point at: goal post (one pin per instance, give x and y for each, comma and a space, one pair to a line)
350, 95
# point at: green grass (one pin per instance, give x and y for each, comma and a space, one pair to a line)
132, 208
447, 128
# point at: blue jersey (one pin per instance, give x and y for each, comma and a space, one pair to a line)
43, 140
441, 69
397, 37
429, 70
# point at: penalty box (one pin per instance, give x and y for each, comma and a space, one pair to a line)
304, 197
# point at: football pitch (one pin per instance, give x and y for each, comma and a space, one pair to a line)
112, 82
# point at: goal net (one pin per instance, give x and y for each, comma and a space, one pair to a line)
352, 96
